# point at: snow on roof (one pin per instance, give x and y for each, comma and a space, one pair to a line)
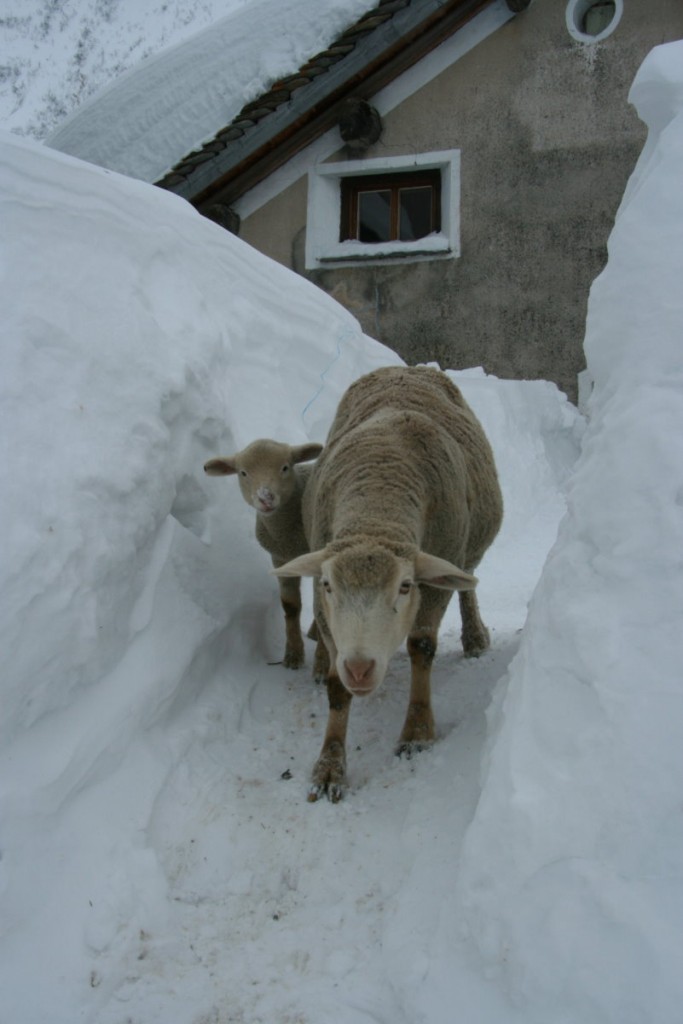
172, 103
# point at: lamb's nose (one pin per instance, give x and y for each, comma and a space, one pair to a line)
265, 498
361, 672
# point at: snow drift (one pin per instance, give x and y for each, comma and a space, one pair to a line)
139, 367
138, 339
577, 907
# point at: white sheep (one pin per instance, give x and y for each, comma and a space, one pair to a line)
399, 509
272, 481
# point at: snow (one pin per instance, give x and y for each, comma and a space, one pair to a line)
577, 907
57, 53
169, 105
159, 861
436, 242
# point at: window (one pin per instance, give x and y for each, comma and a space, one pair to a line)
398, 208
391, 207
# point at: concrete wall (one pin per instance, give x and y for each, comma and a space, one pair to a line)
548, 141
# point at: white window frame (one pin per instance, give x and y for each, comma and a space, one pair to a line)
324, 250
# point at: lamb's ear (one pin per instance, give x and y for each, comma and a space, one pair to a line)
304, 565
437, 572
223, 466
306, 452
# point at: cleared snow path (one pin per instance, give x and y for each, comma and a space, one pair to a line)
159, 860
278, 910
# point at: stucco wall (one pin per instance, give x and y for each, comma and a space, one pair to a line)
547, 142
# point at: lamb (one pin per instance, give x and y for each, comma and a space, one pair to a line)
399, 510
272, 482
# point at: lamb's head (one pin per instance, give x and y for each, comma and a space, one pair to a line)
265, 470
369, 596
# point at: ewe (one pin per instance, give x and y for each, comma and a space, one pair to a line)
398, 511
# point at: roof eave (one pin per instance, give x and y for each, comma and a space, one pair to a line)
386, 52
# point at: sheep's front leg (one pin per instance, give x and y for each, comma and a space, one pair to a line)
475, 635
290, 597
329, 773
418, 729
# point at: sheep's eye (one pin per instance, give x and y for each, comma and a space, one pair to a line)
285, 468
243, 472
405, 587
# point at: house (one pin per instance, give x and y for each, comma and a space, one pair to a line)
449, 170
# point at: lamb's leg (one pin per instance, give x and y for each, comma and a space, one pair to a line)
475, 635
321, 663
329, 773
290, 597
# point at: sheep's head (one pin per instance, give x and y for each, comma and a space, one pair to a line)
370, 596
265, 470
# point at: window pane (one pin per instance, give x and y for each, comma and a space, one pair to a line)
374, 216
415, 212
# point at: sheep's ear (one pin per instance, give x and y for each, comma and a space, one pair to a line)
304, 565
220, 467
437, 572
306, 452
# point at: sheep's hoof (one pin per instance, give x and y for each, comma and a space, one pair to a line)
475, 643
332, 791
328, 778
406, 748
293, 658
475, 652
418, 731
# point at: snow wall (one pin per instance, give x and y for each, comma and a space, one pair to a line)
138, 340
122, 373
577, 907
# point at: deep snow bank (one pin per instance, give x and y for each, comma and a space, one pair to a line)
137, 339
577, 906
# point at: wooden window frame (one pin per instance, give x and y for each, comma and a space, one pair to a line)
392, 182
324, 248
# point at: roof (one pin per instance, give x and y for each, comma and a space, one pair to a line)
296, 109
151, 116
140, 125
